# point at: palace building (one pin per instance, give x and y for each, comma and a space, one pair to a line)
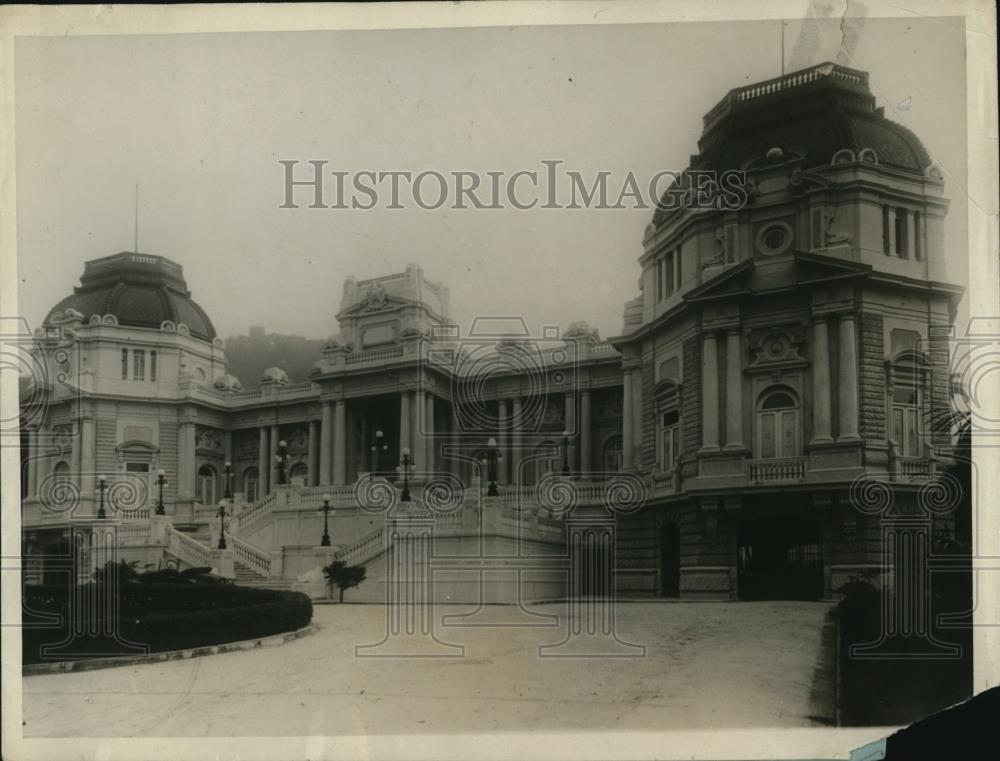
776, 353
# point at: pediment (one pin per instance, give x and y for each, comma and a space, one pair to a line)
733, 281
819, 268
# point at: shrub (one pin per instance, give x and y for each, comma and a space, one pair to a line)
162, 617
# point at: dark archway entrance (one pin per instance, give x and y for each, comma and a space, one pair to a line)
780, 559
670, 560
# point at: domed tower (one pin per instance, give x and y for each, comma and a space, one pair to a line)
790, 337
126, 361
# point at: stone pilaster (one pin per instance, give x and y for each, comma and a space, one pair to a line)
821, 382
709, 393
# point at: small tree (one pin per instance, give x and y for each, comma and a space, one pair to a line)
344, 576
127, 571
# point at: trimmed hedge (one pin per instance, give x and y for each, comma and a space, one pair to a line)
161, 617
889, 691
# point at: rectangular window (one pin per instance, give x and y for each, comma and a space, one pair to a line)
918, 253
251, 488
659, 279
670, 273
677, 275
901, 233
124, 364
885, 231
152, 365
906, 416
138, 365
670, 431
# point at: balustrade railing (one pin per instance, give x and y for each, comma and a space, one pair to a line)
253, 557
374, 355
364, 548
914, 468
776, 469
187, 549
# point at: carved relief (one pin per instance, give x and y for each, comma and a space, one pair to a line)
209, 438
776, 348
375, 298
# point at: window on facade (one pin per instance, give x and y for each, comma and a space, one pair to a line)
250, 480
918, 253
669, 267
206, 485
152, 365
124, 364
906, 414
298, 475
901, 234
138, 364
668, 446
659, 279
778, 425
547, 459
613, 454
61, 472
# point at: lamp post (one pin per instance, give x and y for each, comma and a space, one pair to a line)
405, 465
102, 482
222, 524
377, 448
325, 541
161, 481
565, 448
229, 481
493, 456
281, 457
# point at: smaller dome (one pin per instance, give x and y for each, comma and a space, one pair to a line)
274, 376
228, 383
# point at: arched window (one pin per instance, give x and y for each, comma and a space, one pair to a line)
613, 454
206, 485
61, 472
547, 458
668, 423
778, 431
299, 474
251, 479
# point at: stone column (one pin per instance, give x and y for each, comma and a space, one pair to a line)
227, 449
87, 460
32, 462
430, 457
263, 471
313, 457
187, 455
847, 385
404, 423
419, 408
503, 416
516, 446
628, 434
272, 468
325, 443
709, 393
570, 398
585, 453
455, 464
340, 442
821, 382
734, 390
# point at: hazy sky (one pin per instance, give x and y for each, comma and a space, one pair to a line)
200, 122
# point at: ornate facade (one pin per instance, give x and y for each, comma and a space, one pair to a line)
778, 352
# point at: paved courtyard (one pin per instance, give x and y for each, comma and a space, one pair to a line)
763, 664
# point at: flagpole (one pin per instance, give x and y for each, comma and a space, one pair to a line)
782, 47
136, 240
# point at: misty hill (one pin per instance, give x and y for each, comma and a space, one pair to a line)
249, 356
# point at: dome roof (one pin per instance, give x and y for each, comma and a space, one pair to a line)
813, 113
140, 290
